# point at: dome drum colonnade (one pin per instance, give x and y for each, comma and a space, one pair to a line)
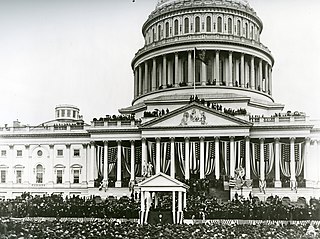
233, 57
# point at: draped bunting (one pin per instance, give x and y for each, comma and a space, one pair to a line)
268, 158
126, 156
225, 156
112, 158
164, 157
152, 155
99, 160
255, 159
137, 159
194, 157
209, 158
180, 154
299, 157
285, 159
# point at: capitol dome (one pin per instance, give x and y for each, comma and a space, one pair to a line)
208, 48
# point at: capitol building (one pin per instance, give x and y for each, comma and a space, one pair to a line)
203, 108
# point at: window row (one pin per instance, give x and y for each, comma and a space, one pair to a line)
66, 113
59, 153
39, 175
221, 25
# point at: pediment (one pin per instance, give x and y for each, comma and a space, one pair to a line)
196, 115
161, 180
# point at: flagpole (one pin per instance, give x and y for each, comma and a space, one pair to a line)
194, 73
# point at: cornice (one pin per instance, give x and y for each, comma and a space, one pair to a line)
45, 135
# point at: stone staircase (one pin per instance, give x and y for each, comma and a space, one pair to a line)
116, 192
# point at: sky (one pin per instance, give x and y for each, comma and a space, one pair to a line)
79, 52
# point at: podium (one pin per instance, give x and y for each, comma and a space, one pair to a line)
160, 217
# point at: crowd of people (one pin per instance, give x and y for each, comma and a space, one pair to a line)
127, 229
155, 113
56, 205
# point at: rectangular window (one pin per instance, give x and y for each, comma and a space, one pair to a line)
3, 176
19, 153
3, 153
68, 113
60, 152
62, 113
18, 176
76, 176
73, 114
59, 176
76, 152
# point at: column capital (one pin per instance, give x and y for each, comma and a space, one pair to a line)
230, 52
217, 138
292, 139
11, 146
202, 138
308, 139
27, 146
118, 141
217, 51
261, 140
85, 145
277, 140
231, 137
143, 140
172, 139
247, 138
158, 139
187, 139
92, 143
132, 141
68, 146
105, 142
51, 146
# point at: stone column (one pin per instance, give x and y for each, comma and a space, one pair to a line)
170, 72
247, 156
232, 157
190, 69
158, 164
277, 182
119, 158
179, 219
84, 174
202, 158
132, 166
105, 163
236, 73
146, 77
164, 71
91, 164
172, 159
203, 73
313, 157
51, 158
142, 207
217, 157
292, 161
154, 75
270, 80
9, 171
260, 74
174, 206
307, 163
135, 82
176, 69
217, 67
262, 166
187, 158
140, 87
266, 73
230, 70
144, 154
25, 174
252, 77
242, 70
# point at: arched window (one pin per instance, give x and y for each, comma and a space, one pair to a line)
246, 29
208, 24
176, 27
186, 25
39, 173
159, 33
229, 26
219, 24
153, 35
238, 28
197, 28
167, 29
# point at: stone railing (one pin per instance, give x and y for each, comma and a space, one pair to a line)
116, 123
278, 119
39, 129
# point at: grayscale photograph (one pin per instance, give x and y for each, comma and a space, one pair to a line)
159, 119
